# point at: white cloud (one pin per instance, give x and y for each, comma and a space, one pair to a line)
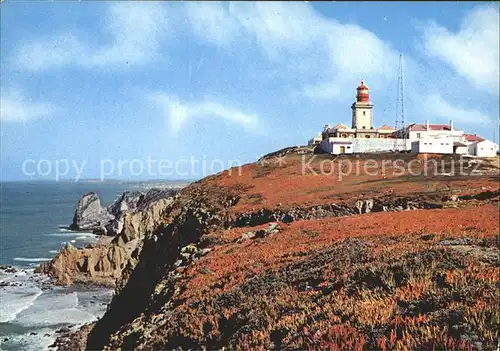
473, 51
279, 28
212, 22
135, 31
436, 105
179, 112
298, 38
16, 107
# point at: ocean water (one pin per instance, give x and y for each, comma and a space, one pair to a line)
32, 217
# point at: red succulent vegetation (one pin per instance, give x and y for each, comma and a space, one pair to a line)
388, 278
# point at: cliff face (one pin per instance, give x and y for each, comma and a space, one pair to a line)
275, 258
129, 219
98, 264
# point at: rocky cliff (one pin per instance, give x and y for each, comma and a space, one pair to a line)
131, 217
272, 257
89, 214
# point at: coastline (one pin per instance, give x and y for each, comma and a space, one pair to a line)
37, 309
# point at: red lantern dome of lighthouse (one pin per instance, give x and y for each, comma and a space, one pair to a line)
363, 93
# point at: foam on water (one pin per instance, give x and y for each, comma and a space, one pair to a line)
30, 342
72, 234
33, 309
28, 259
18, 301
53, 309
15, 299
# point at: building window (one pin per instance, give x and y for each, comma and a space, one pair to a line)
425, 143
348, 147
364, 127
442, 143
364, 113
343, 135
418, 135
367, 136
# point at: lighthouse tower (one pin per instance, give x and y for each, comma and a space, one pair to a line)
362, 109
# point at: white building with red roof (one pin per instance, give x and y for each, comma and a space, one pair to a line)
417, 131
480, 147
362, 137
472, 138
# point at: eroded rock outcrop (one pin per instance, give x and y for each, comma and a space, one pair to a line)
96, 264
361, 206
130, 218
89, 214
127, 202
151, 209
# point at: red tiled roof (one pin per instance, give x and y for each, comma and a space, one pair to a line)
422, 127
473, 137
385, 126
340, 126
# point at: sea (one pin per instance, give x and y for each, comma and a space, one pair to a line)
34, 216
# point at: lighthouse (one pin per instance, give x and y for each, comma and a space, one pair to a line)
362, 109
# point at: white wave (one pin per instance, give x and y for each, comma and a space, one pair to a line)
15, 300
29, 342
62, 229
28, 259
72, 234
54, 251
54, 309
23, 304
72, 241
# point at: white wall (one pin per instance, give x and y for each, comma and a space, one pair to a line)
336, 148
363, 145
485, 148
461, 150
455, 134
433, 146
359, 120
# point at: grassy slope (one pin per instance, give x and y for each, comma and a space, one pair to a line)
387, 280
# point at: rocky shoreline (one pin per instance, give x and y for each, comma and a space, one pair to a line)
119, 228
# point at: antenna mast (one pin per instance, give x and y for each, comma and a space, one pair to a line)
400, 141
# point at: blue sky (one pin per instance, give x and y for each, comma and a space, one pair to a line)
87, 81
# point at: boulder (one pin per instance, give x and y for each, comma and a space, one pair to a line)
115, 226
125, 203
364, 206
133, 202
145, 219
90, 215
